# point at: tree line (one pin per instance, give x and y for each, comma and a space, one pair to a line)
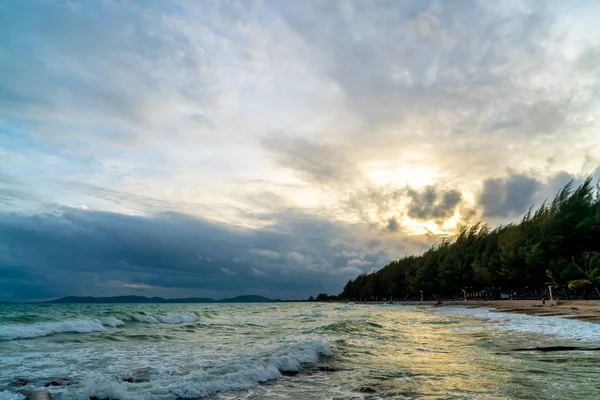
558, 244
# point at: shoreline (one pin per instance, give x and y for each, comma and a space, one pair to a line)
583, 310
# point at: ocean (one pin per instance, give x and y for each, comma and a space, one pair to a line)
291, 351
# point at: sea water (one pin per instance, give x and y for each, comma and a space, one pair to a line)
291, 351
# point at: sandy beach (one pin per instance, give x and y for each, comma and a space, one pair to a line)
585, 310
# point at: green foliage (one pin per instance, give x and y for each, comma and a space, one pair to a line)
325, 297
588, 275
511, 257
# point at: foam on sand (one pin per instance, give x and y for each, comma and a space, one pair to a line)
547, 325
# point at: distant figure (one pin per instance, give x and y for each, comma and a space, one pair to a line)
585, 295
543, 300
438, 303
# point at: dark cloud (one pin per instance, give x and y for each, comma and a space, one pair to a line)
513, 195
392, 225
432, 203
78, 252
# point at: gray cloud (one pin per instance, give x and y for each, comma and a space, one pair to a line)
478, 61
513, 195
432, 203
315, 162
392, 225
89, 56
14, 193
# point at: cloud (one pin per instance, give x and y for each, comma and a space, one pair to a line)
356, 262
316, 162
514, 194
397, 61
266, 253
295, 257
392, 225
289, 138
80, 252
137, 286
228, 272
432, 203
14, 192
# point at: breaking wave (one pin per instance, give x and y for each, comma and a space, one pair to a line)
230, 376
166, 319
12, 332
28, 331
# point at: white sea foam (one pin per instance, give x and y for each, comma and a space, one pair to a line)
345, 308
246, 374
237, 375
177, 318
145, 318
4, 395
20, 331
555, 326
167, 319
312, 314
112, 322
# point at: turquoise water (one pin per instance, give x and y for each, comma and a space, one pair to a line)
291, 351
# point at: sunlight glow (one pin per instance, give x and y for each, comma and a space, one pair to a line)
415, 176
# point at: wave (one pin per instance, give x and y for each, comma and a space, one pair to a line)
230, 376
145, 318
112, 322
166, 319
4, 395
28, 331
12, 332
311, 314
178, 318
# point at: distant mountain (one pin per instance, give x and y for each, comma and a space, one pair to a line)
156, 300
247, 299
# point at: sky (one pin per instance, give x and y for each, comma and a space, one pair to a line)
218, 148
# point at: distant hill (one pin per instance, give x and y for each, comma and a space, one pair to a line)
247, 299
156, 300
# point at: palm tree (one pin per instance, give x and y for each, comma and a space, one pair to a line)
554, 273
588, 275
